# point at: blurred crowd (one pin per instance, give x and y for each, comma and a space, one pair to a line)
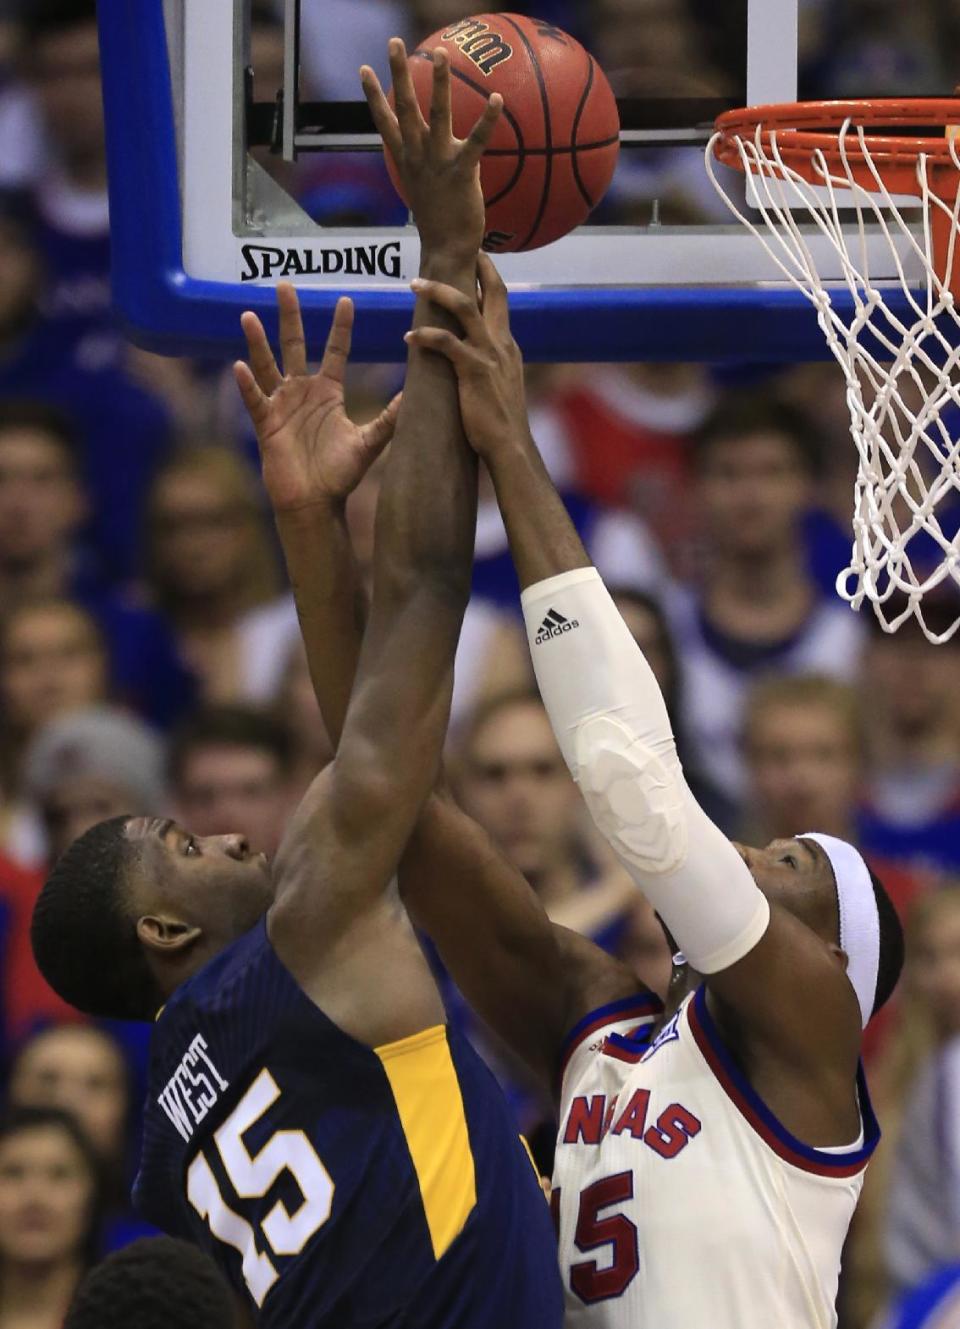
150, 660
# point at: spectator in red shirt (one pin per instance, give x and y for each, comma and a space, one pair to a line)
27, 1000
621, 436
84, 766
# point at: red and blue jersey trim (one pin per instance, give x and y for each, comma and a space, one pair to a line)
630, 1050
642, 1006
752, 1107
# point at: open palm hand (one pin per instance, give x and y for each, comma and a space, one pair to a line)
310, 450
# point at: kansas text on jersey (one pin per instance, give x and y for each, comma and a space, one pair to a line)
681, 1200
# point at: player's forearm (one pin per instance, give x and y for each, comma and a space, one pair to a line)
488, 926
331, 604
427, 514
426, 524
490, 930
543, 539
613, 728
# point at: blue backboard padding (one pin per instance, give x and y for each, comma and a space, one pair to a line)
165, 310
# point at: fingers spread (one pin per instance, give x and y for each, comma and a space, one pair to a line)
337, 352
254, 400
388, 126
412, 123
293, 343
482, 132
379, 432
393, 409
441, 122
262, 362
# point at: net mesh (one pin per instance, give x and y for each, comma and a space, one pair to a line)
900, 363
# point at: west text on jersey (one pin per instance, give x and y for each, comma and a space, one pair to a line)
190, 1092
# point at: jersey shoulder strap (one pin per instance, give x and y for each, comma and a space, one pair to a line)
751, 1107
630, 1017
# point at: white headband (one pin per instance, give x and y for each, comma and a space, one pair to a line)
859, 918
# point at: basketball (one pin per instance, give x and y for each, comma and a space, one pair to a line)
555, 148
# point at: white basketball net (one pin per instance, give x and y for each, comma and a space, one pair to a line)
909, 467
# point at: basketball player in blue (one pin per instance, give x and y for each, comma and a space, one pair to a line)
311, 1121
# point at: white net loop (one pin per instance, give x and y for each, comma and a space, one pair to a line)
908, 481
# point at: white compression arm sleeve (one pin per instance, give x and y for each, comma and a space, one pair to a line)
611, 722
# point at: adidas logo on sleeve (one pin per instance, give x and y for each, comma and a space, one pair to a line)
555, 625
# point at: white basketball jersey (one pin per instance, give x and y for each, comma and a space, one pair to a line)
681, 1202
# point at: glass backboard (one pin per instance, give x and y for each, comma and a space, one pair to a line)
219, 189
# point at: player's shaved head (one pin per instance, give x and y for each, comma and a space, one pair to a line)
137, 905
84, 931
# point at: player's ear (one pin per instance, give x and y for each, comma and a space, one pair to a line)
166, 936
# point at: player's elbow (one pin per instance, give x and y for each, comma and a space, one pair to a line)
364, 792
636, 796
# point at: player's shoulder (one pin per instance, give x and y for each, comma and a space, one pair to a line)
238, 977
220, 975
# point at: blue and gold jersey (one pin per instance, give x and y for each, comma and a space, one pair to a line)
340, 1185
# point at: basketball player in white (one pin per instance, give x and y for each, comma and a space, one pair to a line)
711, 1154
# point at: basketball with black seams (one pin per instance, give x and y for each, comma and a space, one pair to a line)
555, 148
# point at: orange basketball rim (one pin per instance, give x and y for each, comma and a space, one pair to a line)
844, 143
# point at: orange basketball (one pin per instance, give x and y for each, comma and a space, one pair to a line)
556, 145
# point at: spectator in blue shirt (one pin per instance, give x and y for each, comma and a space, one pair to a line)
71, 209
123, 430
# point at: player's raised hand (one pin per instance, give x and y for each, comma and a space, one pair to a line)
310, 450
487, 361
440, 173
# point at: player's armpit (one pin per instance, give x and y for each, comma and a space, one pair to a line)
357, 958
528, 979
594, 978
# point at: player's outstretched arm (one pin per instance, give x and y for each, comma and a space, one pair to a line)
530, 981
772, 972
489, 367
347, 837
